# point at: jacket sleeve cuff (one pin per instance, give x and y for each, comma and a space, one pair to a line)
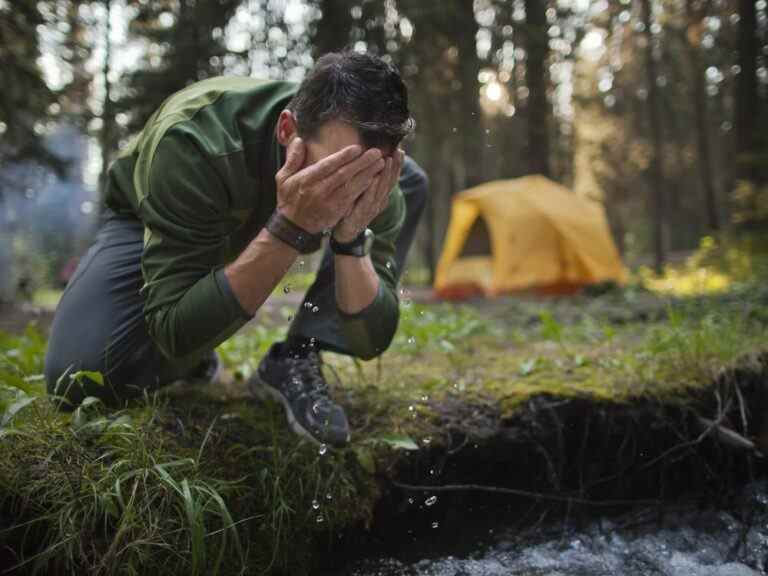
231, 301
203, 318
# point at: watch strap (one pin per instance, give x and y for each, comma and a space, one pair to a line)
292, 234
358, 246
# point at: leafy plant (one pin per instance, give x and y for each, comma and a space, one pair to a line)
444, 327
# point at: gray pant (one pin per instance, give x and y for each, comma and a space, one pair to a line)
99, 323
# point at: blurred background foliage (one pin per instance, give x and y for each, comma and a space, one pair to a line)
657, 108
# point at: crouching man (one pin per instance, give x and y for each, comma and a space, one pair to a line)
228, 184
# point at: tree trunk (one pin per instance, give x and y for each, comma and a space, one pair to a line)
469, 94
746, 91
702, 117
658, 208
107, 117
332, 32
537, 49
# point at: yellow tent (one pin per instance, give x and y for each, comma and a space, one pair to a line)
525, 234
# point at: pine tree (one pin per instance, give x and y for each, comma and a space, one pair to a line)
25, 97
185, 43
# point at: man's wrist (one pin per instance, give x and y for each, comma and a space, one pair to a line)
344, 237
359, 246
283, 228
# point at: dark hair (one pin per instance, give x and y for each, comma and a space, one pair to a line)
359, 89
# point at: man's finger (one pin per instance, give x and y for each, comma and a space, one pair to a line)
383, 184
400, 160
331, 164
360, 182
354, 172
386, 185
294, 160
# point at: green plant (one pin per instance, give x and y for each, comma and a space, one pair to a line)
443, 327
243, 352
21, 366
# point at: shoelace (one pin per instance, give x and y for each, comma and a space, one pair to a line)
306, 376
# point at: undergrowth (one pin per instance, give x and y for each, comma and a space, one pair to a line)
207, 481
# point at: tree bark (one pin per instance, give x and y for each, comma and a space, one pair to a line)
536, 77
107, 116
746, 91
658, 207
468, 68
333, 28
702, 116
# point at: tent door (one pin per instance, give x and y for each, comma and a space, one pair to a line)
478, 241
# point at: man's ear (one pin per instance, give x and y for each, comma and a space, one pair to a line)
286, 127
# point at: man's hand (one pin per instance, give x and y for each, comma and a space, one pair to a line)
371, 202
318, 196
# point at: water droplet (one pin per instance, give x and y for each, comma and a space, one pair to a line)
389, 265
322, 450
411, 408
315, 309
424, 398
411, 340
315, 504
431, 471
307, 304
286, 289
319, 519
430, 501
329, 496
410, 500
427, 441
435, 524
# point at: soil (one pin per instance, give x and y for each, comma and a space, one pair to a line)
14, 317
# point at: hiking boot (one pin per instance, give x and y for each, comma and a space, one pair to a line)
208, 371
297, 381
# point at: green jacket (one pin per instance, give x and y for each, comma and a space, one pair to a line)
201, 177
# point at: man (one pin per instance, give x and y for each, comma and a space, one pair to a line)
229, 182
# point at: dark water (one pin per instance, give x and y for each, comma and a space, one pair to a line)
683, 542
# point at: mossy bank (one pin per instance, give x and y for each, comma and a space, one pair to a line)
587, 402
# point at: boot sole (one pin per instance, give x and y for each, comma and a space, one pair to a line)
264, 391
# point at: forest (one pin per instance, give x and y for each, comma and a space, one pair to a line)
612, 424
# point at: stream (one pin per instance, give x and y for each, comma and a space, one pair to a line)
681, 542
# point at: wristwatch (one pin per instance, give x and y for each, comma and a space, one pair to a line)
360, 246
293, 234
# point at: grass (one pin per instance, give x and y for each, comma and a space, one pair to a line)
199, 480
47, 298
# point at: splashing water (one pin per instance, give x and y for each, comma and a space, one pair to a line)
691, 543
